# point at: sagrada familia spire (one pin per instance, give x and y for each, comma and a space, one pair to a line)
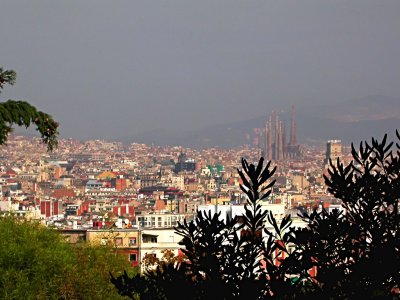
276, 147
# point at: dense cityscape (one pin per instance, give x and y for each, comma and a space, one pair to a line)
132, 196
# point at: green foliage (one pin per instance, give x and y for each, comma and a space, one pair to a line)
7, 76
35, 263
150, 262
22, 113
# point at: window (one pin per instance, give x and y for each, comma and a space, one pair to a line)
103, 241
132, 241
149, 239
118, 241
132, 257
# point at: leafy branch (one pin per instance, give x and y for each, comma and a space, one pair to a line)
22, 113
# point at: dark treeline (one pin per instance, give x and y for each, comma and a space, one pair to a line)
344, 254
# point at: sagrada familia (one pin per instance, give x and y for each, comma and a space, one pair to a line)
276, 147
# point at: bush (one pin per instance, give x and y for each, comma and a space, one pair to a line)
35, 263
355, 251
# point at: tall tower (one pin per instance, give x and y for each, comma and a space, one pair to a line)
292, 148
280, 142
276, 142
284, 145
269, 139
266, 145
293, 137
259, 145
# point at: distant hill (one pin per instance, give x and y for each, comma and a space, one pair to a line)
374, 107
349, 121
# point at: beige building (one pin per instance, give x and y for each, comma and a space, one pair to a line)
154, 241
300, 181
125, 242
333, 151
119, 238
161, 220
135, 244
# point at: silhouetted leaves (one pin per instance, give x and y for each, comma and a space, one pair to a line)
224, 258
347, 253
356, 251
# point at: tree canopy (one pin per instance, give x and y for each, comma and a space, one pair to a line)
21, 113
347, 253
36, 263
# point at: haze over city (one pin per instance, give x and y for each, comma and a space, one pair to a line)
212, 149
129, 69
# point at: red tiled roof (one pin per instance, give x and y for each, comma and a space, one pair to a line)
61, 193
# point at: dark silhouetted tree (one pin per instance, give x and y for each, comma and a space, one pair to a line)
224, 258
354, 250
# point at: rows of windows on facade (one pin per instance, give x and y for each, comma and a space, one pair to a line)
185, 164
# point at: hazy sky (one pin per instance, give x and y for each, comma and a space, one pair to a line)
116, 68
